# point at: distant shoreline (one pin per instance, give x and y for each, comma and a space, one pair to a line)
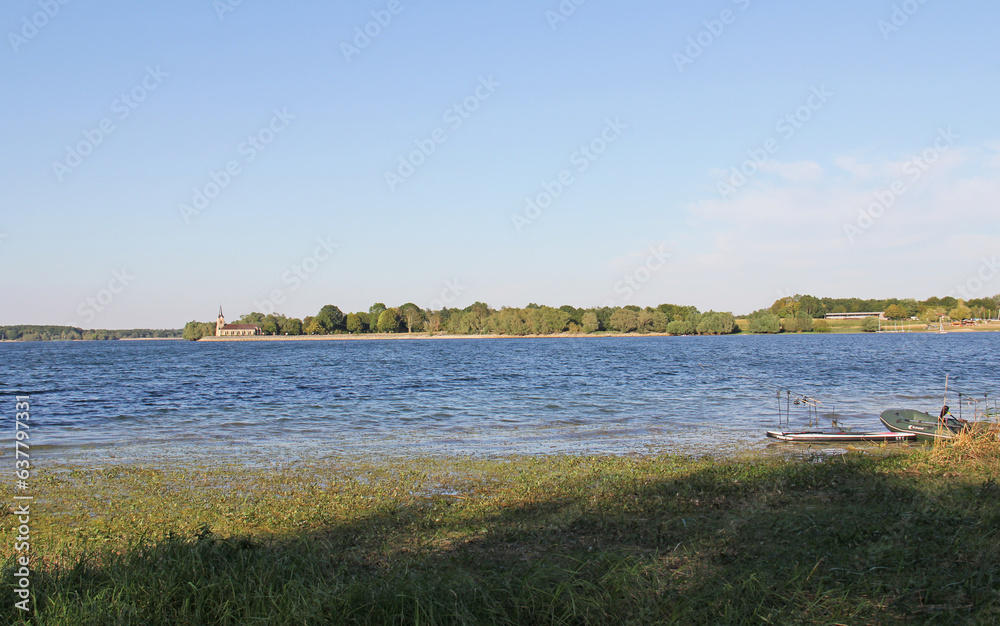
420, 336
436, 336
423, 336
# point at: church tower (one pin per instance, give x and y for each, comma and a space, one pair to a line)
220, 323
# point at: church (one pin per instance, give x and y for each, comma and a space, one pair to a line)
222, 329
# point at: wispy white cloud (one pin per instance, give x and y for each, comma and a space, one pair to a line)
798, 172
790, 228
853, 165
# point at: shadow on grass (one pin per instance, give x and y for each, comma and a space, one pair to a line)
839, 541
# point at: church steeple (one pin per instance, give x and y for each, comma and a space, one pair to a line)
220, 323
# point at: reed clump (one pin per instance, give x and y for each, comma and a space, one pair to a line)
867, 537
979, 443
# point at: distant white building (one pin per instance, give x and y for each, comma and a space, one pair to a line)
855, 316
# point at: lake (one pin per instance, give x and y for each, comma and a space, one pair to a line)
248, 402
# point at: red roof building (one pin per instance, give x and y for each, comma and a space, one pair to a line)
222, 329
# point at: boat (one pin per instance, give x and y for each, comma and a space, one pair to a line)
924, 425
841, 436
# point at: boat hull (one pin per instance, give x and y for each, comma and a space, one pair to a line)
841, 437
923, 425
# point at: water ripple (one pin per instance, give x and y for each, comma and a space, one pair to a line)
479, 397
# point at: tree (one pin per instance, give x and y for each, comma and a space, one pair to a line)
374, 311
660, 321
694, 320
653, 321
473, 320
870, 324
677, 312
353, 323
330, 319
803, 322
509, 321
363, 319
790, 324
644, 321
590, 323
482, 309
812, 306
313, 328
575, 315
434, 321
412, 315
193, 331
444, 316
980, 307
252, 318
932, 314
680, 327
716, 323
960, 312
910, 306
896, 312
764, 322
547, 321
388, 321
274, 324
624, 320
785, 307
604, 316
293, 326
454, 322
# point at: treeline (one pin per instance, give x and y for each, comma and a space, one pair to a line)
804, 313
72, 333
790, 314
930, 309
480, 319
765, 322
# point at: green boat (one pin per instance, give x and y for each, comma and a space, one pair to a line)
924, 425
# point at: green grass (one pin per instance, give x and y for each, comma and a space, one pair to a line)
861, 538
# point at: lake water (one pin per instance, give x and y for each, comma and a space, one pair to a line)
241, 401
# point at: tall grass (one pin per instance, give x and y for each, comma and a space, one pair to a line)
979, 447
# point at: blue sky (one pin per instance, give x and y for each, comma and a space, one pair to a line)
398, 165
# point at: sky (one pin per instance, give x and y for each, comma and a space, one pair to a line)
160, 159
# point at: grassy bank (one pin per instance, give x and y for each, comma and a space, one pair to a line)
865, 537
